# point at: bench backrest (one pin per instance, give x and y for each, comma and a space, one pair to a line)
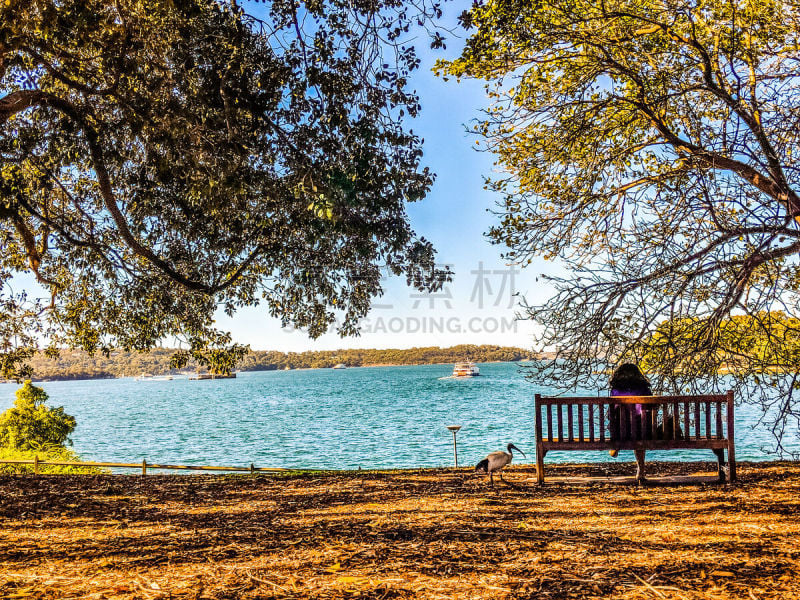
579, 420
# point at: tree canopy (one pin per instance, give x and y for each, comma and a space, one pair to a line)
651, 147
163, 159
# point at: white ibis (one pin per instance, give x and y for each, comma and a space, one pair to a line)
496, 461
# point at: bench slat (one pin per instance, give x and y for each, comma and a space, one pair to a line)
652, 422
676, 421
633, 424
697, 420
569, 422
686, 433
603, 411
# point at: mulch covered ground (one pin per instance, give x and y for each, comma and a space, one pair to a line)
409, 534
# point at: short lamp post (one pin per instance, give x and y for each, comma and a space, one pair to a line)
454, 429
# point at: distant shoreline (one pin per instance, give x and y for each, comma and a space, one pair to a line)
370, 366
78, 365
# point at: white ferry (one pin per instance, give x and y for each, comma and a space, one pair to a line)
465, 369
340, 366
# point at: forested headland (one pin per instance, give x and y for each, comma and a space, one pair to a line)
81, 365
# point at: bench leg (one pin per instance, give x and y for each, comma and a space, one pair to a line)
540, 465
720, 463
639, 452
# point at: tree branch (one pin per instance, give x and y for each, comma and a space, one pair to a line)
20, 100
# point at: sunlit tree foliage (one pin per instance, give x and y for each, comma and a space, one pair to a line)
652, 148
31, 425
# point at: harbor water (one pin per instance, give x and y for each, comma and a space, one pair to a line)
372, 417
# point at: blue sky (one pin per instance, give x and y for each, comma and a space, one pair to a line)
477, 307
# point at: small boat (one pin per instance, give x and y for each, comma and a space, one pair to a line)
340, 366
200, 376
204, 376
148, 377
465, 369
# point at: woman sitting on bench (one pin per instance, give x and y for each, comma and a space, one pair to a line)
627, 380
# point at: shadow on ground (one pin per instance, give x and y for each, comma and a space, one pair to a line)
408, 534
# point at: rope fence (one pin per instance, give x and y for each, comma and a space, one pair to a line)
144, 465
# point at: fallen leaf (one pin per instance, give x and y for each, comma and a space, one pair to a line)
351, 579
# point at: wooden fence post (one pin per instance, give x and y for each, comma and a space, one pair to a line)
144, 466
35, 464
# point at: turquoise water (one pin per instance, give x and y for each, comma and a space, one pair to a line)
376, 417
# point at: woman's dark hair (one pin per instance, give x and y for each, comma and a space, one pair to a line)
628, 378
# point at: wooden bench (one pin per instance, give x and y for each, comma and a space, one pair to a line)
585, 423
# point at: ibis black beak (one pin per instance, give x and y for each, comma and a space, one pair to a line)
510, 446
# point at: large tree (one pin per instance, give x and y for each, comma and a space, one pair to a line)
652, 148
160, 160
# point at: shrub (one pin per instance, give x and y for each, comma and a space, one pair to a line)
30, 425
